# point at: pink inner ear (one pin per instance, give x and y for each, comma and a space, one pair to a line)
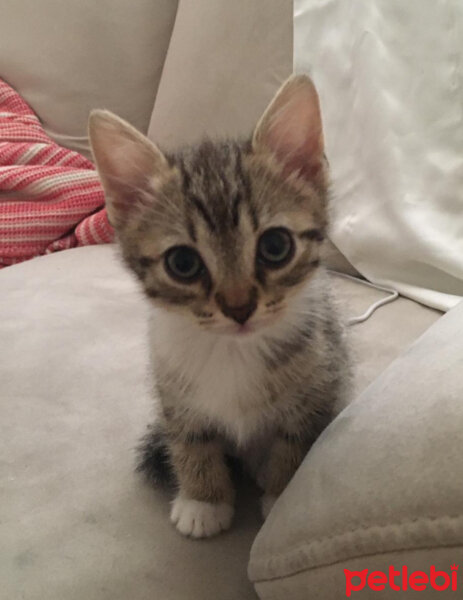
127, 176
303, 158
126, 166
127, 163
291, 129
295, 135
125, 160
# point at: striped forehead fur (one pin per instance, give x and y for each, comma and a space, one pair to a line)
220, 179
215, 184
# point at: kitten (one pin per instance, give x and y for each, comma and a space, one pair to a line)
246, 347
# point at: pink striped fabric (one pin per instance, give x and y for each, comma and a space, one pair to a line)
50, 197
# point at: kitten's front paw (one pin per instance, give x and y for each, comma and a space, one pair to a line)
200, 519
266, 504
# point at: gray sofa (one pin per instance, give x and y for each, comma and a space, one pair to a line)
381, 485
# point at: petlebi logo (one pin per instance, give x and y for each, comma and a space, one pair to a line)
401, 579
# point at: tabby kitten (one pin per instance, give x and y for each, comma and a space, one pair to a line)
246, 347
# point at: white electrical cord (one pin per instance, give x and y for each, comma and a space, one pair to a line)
393, 295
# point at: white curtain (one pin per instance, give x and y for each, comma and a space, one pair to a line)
390, 77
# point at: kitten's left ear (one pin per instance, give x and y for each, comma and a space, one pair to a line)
127, 162
291, 129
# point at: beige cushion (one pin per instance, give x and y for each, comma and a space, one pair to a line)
76, 522
380, 485
329, 582
390, 330
333, 259
67, 57
225, 61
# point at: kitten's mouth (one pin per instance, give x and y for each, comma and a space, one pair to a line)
232, 329
237, 330
245, 329
248, 328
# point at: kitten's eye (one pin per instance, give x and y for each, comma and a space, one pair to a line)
183, 263
275, 247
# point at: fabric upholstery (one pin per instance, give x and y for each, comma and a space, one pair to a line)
66, 58
76, 522
225, 62
382, 479
329, 581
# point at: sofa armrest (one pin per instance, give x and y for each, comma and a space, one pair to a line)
381, 486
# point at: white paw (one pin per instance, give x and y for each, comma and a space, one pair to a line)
200, 519
266, 504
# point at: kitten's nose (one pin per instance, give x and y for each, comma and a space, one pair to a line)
238, 312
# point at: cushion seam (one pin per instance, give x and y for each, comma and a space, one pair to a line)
262, 563
353, 557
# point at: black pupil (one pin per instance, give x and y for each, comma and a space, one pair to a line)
184, 262
275, 246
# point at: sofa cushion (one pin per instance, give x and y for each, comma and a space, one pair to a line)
377, 341
76, 522
381, 485
66, 58
225, 62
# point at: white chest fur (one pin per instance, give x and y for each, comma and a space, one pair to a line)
225, 376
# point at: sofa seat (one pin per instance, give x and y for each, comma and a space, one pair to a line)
76, 521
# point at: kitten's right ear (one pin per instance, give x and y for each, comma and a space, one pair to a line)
126, 162
291, 129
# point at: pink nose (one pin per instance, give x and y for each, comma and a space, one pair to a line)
238, 304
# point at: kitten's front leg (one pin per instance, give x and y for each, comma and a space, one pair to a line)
286, 454
204, 504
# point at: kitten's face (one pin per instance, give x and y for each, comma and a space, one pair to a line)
224, 233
